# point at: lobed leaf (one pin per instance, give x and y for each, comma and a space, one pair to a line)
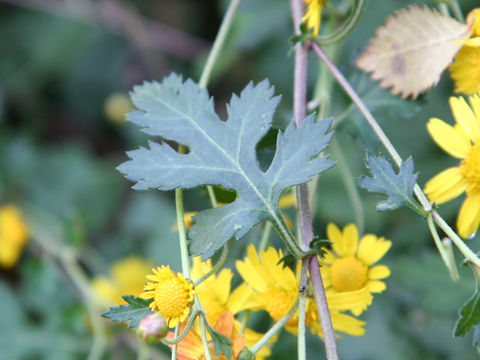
412, 49
221, 153
469, 315
398, 188
136, 309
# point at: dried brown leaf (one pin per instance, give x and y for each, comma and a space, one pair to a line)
412, 49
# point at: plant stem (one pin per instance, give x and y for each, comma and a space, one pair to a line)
274, 329
302, 300
174, 348
182, 234
350, 185
464, 249
185, 331
447, 260
219, 42
216, 267
266, 232
203, 332
370, 119
304, 216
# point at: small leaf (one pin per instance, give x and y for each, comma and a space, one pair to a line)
222, 153
221, 343
398, 188
318, 245
469, 314
288, 260
412, 49
134, 312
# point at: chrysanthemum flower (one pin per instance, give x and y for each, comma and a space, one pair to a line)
313, 16
465, 69
191, 347
349, 265
172, 294
13, 235
127, 277
276, 288
216, 298
463, 142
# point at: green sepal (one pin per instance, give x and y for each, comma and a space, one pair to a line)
136, 309
318, 245
288, 260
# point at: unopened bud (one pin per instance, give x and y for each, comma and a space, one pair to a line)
152, 329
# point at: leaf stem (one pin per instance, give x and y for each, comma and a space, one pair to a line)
185, 257
174, 348
274, 329
185, 331
219, 42
304, 215
447, 260
216, 267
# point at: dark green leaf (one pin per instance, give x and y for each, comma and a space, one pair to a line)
288, 260
398, 188
222, 344
222, 153
134, 312
469, 314
318, 245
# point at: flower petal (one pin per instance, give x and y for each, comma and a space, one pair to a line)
446, 185
475, 103
465, 117
447, 138
469, 216
376, 286
372, 249
378, 272
347, 300
334, 235
350, 239
348, 324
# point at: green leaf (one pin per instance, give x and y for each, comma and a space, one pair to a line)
398, 188
222, 153
221, 343
469, 314
134, 312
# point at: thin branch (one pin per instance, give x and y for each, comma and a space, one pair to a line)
304, 215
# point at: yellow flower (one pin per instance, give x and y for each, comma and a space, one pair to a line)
349, 266
116, 106
313, 16
216, 298
465, 69
13, 235
172, 294
461, 141
276, 289
191, 347
127, 277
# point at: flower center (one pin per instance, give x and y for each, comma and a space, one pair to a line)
278, 302
470, 168
172, 297
348, 274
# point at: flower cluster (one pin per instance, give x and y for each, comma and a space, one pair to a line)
13, 235
350, 277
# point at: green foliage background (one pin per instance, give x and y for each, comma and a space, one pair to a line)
58, 154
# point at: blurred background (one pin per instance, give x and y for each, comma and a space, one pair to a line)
66, 67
